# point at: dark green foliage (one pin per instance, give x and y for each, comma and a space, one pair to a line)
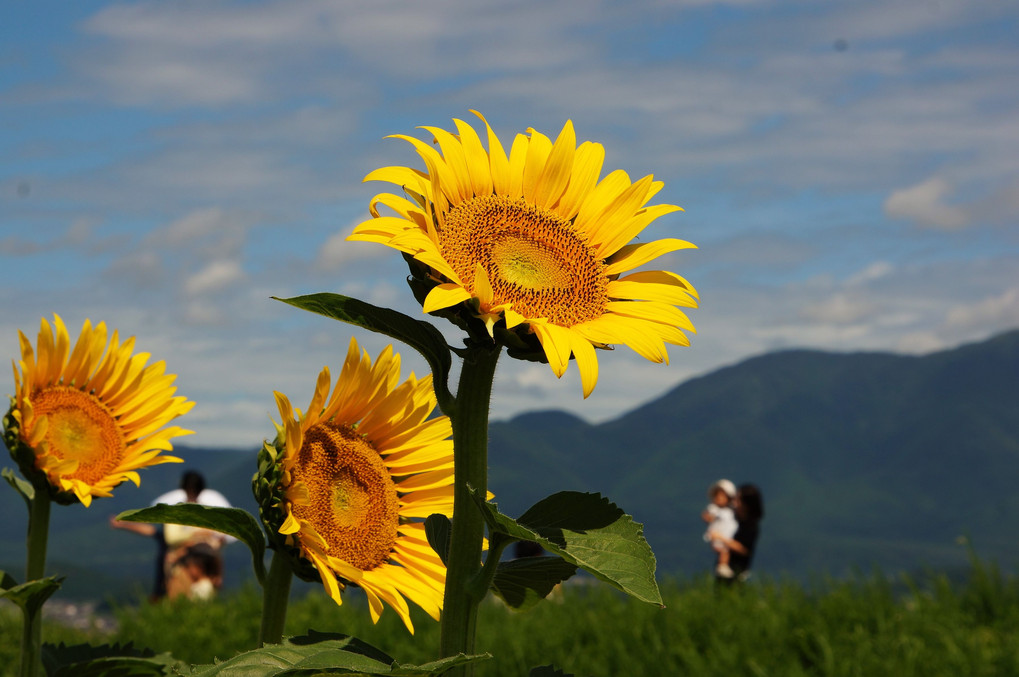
860, 627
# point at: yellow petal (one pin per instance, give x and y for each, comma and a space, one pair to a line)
478, 166
498, 162
587, 164
556, 175
587, 362
443, 296
538, 148
557, 344
453, 152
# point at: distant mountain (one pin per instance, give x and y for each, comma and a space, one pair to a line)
864, 459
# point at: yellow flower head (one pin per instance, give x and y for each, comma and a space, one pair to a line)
535, 242
347, 484
90, 417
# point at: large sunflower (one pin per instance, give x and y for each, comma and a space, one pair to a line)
355, 476
535, 242
90, 417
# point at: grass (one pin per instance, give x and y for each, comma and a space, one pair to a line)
862, 627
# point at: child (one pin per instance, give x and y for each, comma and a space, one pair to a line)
721, 521
196, 573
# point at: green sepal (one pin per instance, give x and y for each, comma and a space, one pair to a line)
116, 660
522, 583
232, 521
437, 529
29, 596
417, 334
24, 456
323, 654
23, 487
267, 485
589, 531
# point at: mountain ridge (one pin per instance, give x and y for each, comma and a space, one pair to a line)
865, 459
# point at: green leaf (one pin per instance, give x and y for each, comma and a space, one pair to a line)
85, 660
417, 334
547, 671
19, 485
233, 521
437, 530
587, 530
322, 654
29, 596
524, 582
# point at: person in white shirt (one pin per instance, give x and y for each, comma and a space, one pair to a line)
175, 540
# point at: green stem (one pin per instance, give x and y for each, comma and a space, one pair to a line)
275, 596
35, 568
483, 581
470, 458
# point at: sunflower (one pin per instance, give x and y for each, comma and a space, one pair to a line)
349, 482
88, 418
534, 242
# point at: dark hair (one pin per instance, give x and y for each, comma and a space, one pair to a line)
192, 483
751, 503
205, 558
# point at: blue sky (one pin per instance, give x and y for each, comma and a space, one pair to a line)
849, 170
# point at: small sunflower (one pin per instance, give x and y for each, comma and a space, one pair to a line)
535, 243
346, 485
90, 417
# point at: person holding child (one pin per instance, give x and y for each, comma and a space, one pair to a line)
721, 524
748, 506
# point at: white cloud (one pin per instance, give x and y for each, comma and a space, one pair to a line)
213, 277
1001, 310
874, 271
196, 225
841, 308
336, 251
924, 204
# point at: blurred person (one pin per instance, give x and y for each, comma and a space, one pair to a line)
195, 573
721, 521
749, 509
172, 540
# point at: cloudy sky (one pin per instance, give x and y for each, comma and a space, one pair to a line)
849, 170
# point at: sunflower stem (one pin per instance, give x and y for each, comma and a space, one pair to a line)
35, 568
275, 597
481, 583
469, 418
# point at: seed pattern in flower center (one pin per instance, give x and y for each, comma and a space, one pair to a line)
80, 428
353, 502
534, 258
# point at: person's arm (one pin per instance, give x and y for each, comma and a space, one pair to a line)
142, 528
731, 543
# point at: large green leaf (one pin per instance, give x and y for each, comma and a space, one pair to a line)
589, 531
524, 582
420, 335
31, 595
85, 660
322, 654
233, 521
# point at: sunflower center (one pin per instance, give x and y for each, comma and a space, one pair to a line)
353, 503
80, 429
534, 258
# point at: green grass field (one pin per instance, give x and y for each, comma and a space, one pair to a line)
867, 627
